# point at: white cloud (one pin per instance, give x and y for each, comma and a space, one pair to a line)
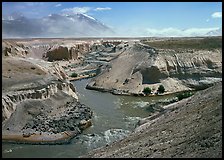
207, 20
58, 5
172, 32
102, 9
30, 3
83, 10
33, 3
164, 32
76, 10
217, 15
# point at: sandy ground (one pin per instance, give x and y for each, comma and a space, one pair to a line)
17, 71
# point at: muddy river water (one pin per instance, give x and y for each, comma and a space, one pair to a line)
114, 117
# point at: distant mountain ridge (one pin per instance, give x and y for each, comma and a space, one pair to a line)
53, 25
217, 32
81, 25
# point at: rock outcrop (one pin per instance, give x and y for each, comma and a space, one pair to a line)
65, 52
38, 100
11, 99
56, 49
78, 50
142, 66
11, 48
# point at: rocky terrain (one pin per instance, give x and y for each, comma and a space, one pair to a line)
37, 99
74, 55
190, 128
194, 64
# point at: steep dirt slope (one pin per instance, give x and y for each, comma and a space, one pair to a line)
192, 128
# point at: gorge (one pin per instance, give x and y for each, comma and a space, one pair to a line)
40, 105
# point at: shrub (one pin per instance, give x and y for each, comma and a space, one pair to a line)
181, 96
147, 90
161, 89
74, 74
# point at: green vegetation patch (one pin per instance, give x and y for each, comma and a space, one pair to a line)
207, 43
183, 95
74, 75
147, 90
161, 89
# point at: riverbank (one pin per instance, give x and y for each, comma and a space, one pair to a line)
114, 117
56, 126
91, 86
81, 77
41, 138
39, 104
190, 128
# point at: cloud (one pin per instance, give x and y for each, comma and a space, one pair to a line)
76, 10
217, 15
58, 5
166, 32
207, 20
30, 3
102, 9
175, 32
69, 26
54, 25
83, 10
33, 3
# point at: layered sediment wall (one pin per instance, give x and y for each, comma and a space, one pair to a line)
39, 104
11, 99
144, 66
77, 51
57, 49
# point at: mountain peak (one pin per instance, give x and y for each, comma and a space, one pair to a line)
56, 25
13, 16
217, 32
89, 17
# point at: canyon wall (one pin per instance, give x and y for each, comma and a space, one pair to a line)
58, 49
11, 99
37, 97
77, 51
143, 66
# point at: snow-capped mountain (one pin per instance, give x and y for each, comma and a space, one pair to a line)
83, 25
217, 32
189, 32
13, 16
54, 25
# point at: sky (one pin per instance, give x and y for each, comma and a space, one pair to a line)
133, 17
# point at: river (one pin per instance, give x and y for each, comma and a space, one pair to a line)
114, 117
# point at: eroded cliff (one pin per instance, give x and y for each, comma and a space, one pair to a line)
37, 99
143, 66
